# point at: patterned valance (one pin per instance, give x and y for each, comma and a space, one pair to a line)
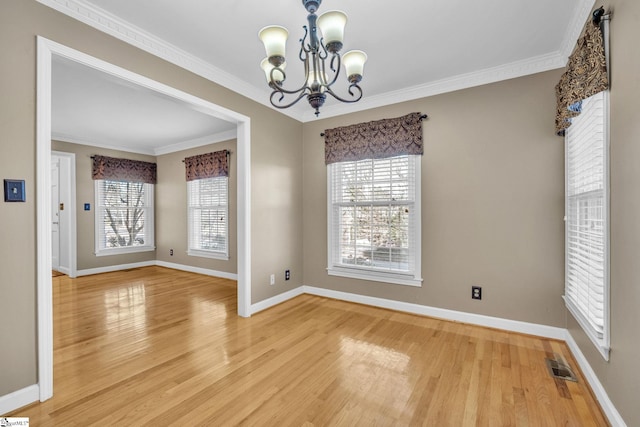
123, 170
374, 140
208, 165
586, 75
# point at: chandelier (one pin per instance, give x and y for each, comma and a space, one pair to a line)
315, 52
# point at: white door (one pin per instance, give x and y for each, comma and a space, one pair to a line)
55, 213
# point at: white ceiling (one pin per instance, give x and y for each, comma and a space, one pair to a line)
416, 48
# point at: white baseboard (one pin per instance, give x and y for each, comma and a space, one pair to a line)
111, 268
191, 269
63, 270
182, 267
12, 401
441, 313
278, 299
476, 319
601, 394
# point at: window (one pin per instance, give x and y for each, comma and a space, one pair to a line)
587, 220
124, 217
208, 217
374, 219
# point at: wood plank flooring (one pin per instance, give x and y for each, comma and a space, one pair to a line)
154, 346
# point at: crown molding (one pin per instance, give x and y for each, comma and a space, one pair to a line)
198, 142
56, 136
166, 149
463, 81
129, 33
574, 28
111, 24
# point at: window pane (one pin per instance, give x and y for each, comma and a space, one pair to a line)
208, 211
586, 275
373, 213
122, 214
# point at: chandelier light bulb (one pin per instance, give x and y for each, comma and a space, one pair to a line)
278, 76
274, 38
354, 65
331, 26
320, 48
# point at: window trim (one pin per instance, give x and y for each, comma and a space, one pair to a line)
372, 274
208, 253
150, 224
602, 344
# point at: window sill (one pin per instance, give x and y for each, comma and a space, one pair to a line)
376, 276
124, 250
208, 254
600, 343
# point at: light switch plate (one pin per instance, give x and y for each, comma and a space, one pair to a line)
14, 190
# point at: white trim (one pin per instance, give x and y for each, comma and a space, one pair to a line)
278, 299
182, 267
194, 143
545, 331
450, 84
110, 24
23, 397
199, 270
43, 221
45, 51
72, 232
124, 250
375, 276
441, 313
117, 267
602, 347
574, 28
598, 389
201, 253
93, 143
243, 200
167, 149
122, 30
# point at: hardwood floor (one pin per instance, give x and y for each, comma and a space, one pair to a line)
154, 346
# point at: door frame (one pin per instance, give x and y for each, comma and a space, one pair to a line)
47, 49
71, 234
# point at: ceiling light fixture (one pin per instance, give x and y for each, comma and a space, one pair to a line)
313, 53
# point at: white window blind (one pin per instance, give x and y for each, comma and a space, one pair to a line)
374, 228
124, 217
587, 206
208, 217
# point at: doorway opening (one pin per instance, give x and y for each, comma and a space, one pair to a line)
63, 213
47, 50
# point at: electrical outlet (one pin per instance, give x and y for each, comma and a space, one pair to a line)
272, 279
170, 252
476, 292
287, 274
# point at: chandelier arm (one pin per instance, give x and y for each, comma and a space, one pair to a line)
336, 71
324, 49
352, 86
277, 87
302, 94
302, 42
280, 89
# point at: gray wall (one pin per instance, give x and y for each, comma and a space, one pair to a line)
276, 235
620, 376
492, 194
171, 209
492, 202
85, 193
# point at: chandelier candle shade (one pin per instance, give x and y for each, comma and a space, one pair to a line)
315, 52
